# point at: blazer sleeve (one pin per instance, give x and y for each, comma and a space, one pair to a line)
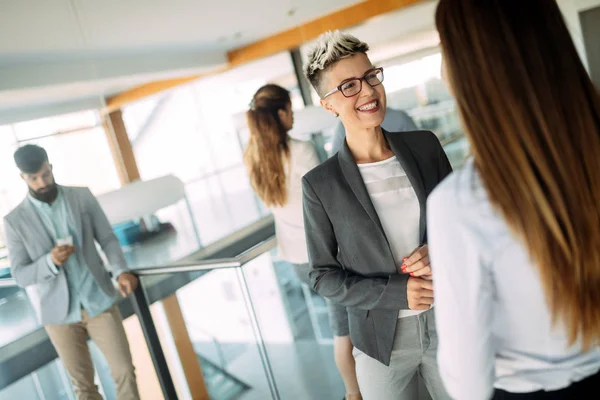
104, 235
330, 279
25, 271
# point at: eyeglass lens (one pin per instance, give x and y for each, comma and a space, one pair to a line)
353, 87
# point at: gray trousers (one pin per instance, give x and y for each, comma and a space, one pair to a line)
414, 352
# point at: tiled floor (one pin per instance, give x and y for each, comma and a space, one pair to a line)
303, 371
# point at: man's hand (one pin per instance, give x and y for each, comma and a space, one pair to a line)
417, 264
128, 282
420, 293
60, 254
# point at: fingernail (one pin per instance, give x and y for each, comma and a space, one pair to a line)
412, 274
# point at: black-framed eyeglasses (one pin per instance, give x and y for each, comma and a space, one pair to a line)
353, 86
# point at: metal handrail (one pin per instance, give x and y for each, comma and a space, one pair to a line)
204, 265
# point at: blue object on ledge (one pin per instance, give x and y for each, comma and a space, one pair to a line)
5, 272
127, 233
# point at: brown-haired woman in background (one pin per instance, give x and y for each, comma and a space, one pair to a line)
276, 164
515, 236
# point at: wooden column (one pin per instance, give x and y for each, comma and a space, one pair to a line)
185, 349
120, 146
128, 171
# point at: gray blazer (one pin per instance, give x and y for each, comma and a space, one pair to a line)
350, 259
29, 243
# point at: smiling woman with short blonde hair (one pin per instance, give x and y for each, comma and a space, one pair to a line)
364, 212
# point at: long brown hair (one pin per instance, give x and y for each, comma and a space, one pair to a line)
532, 116
267, 150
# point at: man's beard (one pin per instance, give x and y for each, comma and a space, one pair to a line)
45, 195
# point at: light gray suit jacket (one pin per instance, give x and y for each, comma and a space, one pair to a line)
351, 261
29, 243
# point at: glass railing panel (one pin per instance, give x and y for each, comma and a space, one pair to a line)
244, 205
220, 328
47, 383
294, 325
17, 316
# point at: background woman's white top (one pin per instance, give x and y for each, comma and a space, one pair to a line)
289, 221
493, 323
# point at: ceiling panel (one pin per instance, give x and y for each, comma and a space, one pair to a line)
48, 26
37, 25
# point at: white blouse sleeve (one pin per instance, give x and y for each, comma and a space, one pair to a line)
463, 290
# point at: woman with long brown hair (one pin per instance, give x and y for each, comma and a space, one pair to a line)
515, 236
276, 164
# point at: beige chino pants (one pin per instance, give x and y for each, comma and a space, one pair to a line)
107, 332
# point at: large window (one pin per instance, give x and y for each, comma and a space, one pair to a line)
416, 87
77, 149
190, 132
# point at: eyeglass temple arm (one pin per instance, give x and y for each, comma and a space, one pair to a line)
332, 92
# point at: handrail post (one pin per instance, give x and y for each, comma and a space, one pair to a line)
142, 309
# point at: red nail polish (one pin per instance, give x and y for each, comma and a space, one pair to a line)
412, 274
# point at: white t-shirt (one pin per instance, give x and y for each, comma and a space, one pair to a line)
397, 206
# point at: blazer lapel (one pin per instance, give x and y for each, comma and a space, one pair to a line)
74, 211
354, 179
409, 163
34, 226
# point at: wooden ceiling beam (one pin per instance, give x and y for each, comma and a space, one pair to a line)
294, 37
286, 40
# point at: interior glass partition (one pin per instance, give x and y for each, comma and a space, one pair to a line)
240, 321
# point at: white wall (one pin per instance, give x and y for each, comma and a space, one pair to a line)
571, 10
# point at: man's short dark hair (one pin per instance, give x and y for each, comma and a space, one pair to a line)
30, 158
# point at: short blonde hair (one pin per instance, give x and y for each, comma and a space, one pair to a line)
331, 47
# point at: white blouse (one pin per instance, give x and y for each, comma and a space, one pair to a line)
397, 207
289, 221
494, 327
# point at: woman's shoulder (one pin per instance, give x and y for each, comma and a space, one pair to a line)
301, 145
303, 152
424, 144
322, 173
461, 199
460, 192
417, 136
